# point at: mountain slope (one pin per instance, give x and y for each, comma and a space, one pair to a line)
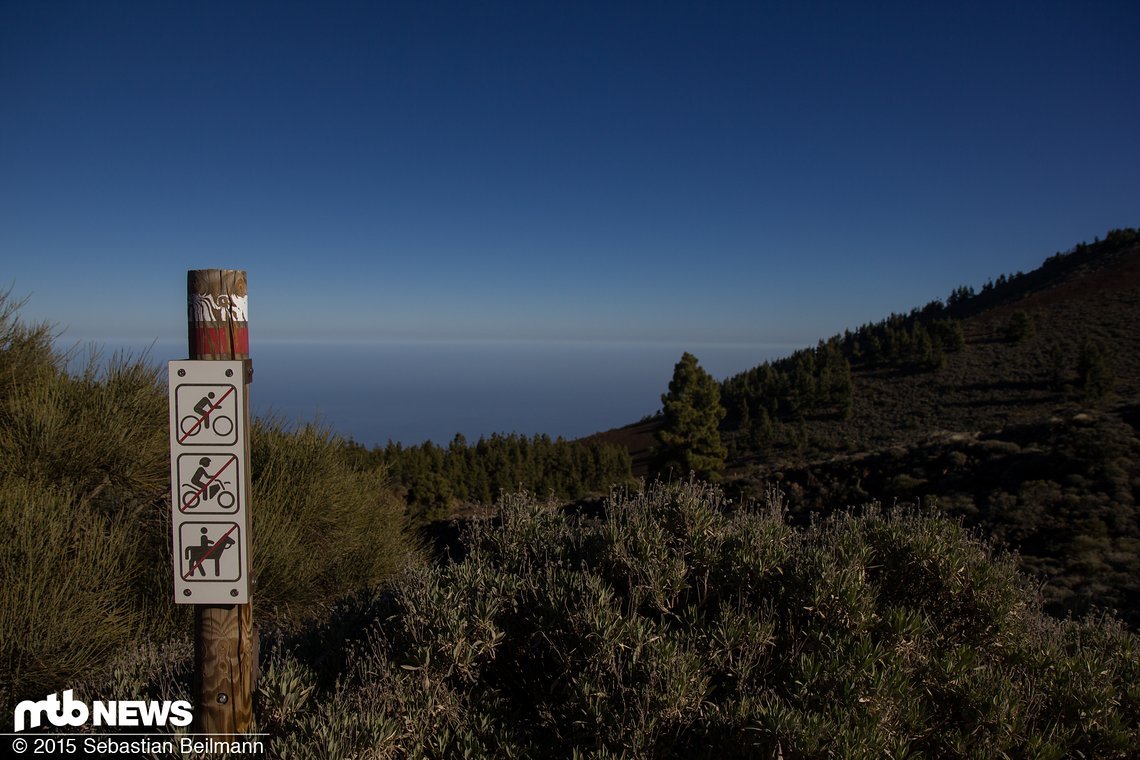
1014, 431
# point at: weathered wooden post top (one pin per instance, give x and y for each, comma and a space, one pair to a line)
210, 479
218, 320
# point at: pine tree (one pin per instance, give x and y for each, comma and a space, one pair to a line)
1058, 374
1094, 370
1019, 328
690, 439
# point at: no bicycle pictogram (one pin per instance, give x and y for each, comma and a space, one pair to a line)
209, 482
206, 414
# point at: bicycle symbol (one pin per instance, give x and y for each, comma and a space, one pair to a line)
191, 426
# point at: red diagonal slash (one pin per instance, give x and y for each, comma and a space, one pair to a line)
200, 491
194, 428
209, 551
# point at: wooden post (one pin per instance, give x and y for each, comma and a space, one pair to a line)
225, 649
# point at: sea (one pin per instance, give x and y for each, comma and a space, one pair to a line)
413, 391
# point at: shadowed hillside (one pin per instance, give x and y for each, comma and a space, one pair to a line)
1012, 407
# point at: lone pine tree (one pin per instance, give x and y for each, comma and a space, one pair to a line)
690, 437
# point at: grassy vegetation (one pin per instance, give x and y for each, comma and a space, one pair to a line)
85, 516
322, 527
83, 464
686, 626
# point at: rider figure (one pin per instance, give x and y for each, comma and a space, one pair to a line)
202, 476
204, 407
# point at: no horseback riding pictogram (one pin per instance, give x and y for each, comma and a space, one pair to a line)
210, 551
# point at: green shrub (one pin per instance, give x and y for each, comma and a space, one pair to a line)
320, 528
100, 433
1019, 328
683, 625
68, 600
144, 670
26, 350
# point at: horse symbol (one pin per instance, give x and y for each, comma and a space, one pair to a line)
207, 550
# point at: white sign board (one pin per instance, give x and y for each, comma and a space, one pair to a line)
208, 482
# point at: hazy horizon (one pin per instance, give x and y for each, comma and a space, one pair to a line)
412, 391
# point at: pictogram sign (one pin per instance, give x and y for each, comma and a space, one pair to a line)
210, 552
209, 483
206, 414
208, 480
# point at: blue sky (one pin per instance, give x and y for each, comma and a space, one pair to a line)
661, 171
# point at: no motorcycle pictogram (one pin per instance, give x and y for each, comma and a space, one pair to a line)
209, 482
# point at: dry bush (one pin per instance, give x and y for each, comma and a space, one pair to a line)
686, 626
